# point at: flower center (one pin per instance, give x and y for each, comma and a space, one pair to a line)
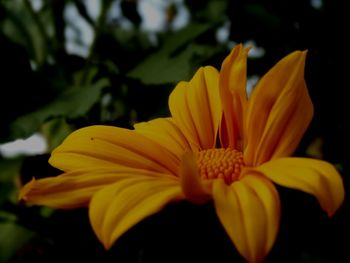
220, 163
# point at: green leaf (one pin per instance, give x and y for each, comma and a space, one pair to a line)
216, 10
173, 61
267, 19
23, 26
9, 170
6, 216
55, 131
162, 69
12, 237
74, 103
181, 38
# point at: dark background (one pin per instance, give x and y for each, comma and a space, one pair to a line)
124, 77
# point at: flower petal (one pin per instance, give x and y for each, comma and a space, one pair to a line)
165, 132
68, 190
196, 107
75, 188
106, 146
194, 188
315, 177
279, 111
118, 207
233, 80
249, 210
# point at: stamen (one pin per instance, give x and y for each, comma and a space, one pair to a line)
220, 163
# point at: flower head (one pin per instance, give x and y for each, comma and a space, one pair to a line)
217, 145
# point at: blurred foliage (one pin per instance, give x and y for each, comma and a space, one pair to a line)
123, 74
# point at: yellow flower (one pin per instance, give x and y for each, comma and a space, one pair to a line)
217, 145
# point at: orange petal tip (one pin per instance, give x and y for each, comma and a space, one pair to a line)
26, 189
